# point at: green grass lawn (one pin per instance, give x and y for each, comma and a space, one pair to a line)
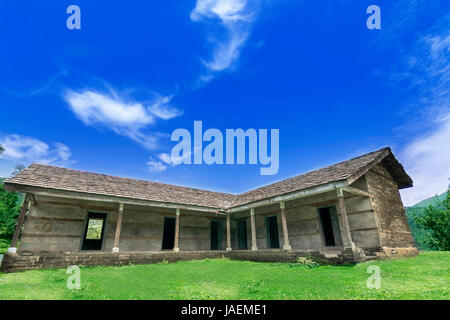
424, 277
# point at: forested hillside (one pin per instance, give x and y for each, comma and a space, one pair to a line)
418, 210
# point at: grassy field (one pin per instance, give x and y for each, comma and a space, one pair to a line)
424, 277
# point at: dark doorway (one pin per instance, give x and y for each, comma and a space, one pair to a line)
242, 234
93, 233
272, 232
216, 235
168, 234
330, 226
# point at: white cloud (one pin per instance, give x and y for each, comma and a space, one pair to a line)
164, 160
174, 161
427, 160
162, 110
126, 118
155, 165
22, 149
236, 17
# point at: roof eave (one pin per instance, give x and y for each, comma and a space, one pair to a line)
106, 198
322, 188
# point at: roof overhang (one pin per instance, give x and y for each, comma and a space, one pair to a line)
291, 196
108, 199
391, 164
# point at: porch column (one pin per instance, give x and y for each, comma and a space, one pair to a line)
21, 219
176, 248
346, 235
286, 245
118, 228
252, 222
228, 233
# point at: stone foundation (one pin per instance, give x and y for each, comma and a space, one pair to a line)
387, 252
24, 261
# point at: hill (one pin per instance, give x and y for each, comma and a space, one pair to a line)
430, 201
418, 210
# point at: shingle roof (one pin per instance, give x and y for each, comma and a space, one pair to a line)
57, 178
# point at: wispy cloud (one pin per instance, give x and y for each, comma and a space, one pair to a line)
163, 110
165, 160
427, 155
27, 150
155, 165
236, 18
45, 86
124, 116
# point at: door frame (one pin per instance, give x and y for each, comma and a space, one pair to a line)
268, 233
162, 233
244, 220
322, 235
219, 234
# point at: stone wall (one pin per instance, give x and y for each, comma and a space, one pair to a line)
55, 225
303, 224
393, 227
18, 262
46, 260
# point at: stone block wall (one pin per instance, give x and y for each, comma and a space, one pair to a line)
393, 227
59, 227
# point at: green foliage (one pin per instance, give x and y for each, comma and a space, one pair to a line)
420, 233
9, 210
306, 261
436, 220
94, 231
4, 245
164, 261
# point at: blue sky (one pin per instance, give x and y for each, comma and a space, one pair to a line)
107, 97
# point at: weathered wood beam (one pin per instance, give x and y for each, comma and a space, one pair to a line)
286, 245
253, 228
20, 220
118, 228
356, 191
176, 247
228, 233
346, 234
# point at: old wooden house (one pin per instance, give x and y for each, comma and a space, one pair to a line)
350, 211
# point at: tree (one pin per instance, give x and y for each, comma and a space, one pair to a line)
9, 211
18, 168
1, 149
436, 221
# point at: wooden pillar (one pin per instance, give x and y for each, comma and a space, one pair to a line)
118, 228
286, 245
345, 229
228, 232
176, 248
20, 220
253, 227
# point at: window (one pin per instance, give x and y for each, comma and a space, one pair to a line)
94, 232
94, 229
